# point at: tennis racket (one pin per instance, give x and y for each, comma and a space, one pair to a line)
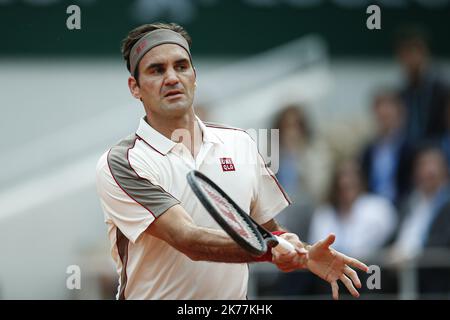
234, 221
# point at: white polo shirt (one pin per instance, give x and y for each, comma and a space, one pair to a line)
145, 174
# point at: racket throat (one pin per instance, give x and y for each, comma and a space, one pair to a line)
271, 242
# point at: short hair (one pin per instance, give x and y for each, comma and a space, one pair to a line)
408, 36
137, 33
384, 94
425, 147
299, 113
333, 188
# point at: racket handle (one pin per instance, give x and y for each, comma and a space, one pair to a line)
283, 246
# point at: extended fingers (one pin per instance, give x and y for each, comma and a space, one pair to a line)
355, 263
353, 276
335, 290
348, 283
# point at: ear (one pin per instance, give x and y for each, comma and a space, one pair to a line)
134, 88
195, 76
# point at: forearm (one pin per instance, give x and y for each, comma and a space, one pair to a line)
178, 229
206, 244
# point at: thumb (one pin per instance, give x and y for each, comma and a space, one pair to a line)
328, 241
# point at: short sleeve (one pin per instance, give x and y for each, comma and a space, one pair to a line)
129, 201
270, 198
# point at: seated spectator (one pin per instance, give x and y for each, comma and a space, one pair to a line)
386, 159
426, 220
362, 222
426, 214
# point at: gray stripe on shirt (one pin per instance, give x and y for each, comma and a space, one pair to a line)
152, 197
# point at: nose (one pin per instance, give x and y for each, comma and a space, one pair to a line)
171, 78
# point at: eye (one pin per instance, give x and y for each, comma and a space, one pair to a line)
159, 70
156, 70
182, 67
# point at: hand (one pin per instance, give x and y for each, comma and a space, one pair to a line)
332, 265
290, 261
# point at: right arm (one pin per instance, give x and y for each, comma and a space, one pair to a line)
137, 204
177, 228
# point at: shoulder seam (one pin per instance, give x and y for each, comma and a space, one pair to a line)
221, 126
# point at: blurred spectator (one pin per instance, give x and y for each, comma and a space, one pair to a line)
426, 222
362, 222
305, 160
445, 138
386, 159
426, 214
304, 172
424, 93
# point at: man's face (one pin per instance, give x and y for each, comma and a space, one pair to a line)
349, 182
412, 57
388, 115
431, 171
166, 80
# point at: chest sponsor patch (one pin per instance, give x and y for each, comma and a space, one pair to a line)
227, 164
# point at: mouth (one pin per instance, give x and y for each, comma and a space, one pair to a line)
173, 94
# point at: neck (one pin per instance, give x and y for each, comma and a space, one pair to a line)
416, 76
184, 129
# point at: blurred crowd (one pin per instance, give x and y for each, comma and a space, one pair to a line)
392, 195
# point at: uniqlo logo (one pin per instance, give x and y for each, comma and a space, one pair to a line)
227, 164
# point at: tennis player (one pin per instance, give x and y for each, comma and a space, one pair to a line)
165, 245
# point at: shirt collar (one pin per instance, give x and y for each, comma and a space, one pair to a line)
163, 145
208, 134
153, 138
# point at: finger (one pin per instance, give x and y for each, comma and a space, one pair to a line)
349, 285
353, 275
284, 258
356, 263
335, 290
291, 265
301, 251
329, 240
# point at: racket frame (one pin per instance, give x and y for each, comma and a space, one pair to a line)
263, 236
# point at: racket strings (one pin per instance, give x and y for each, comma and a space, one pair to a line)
230, 214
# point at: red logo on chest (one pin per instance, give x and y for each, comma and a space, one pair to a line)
227, 164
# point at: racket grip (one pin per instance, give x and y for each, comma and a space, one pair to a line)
283, 246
